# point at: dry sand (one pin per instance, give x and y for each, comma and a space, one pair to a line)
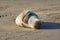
48, 11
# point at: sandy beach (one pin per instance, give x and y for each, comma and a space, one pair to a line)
47, 10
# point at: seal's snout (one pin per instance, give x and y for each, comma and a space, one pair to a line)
37, 25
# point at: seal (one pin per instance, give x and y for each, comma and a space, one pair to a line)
28, 19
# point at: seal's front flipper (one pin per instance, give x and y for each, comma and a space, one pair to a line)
25, 25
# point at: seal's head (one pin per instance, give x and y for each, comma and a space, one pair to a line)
36, 24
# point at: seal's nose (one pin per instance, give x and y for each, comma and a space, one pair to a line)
37, 25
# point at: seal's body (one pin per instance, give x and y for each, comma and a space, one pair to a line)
28, 19
20, 17
19, 20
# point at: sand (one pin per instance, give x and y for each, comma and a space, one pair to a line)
47, 10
